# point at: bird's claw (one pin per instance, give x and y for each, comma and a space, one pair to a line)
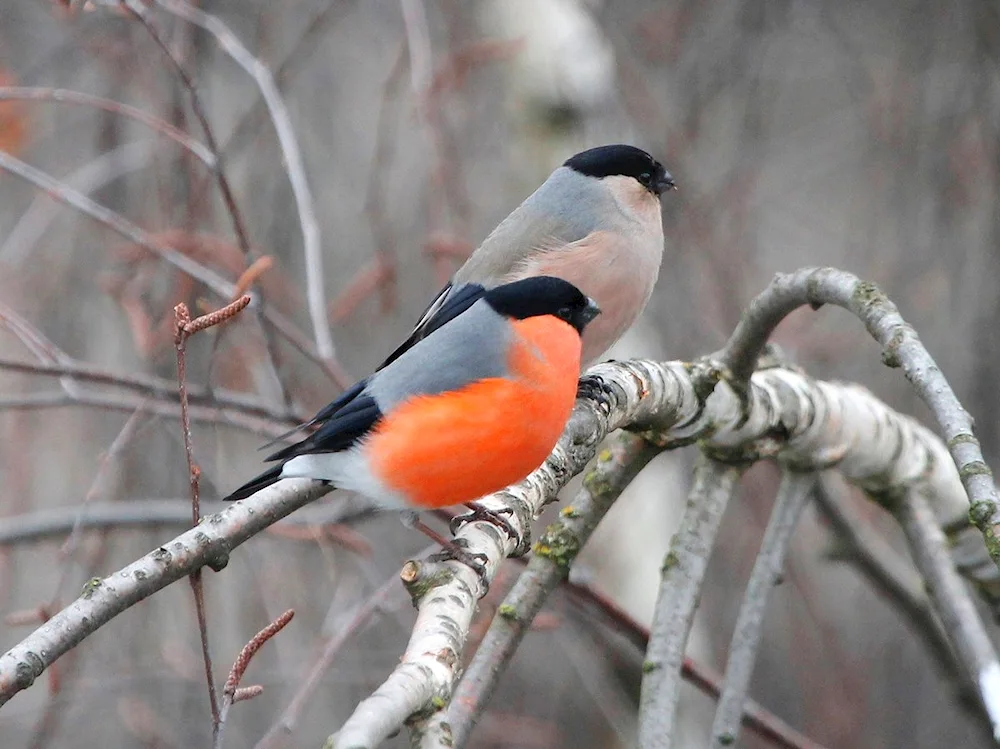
494, 517
455, 550
593, 387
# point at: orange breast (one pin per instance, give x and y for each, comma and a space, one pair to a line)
447, 449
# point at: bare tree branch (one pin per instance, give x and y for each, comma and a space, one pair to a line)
37, 93
951, 597
793, 493
224, 288
209, 543
293, 160
900, 348
680, 588
819, 424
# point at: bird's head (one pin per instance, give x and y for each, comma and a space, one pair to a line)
544, 295
625, 161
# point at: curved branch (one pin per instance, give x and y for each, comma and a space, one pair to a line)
826, 425
293, 160
901, 347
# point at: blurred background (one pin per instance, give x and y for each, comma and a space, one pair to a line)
862, 135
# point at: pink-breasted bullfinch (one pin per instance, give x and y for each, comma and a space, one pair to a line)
474, 405
596, 223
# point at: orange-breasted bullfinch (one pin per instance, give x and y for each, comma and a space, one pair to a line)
596, 223
473, 406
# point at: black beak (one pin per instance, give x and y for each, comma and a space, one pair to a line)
663, 183
590, 311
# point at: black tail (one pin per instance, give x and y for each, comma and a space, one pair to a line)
254, 485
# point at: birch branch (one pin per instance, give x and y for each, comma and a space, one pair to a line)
810, 423
208, 543
616, 465
680, 588
901, 347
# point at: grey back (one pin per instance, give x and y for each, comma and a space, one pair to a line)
473, 346
565, 208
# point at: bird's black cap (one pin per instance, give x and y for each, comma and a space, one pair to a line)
627, 161
543, 295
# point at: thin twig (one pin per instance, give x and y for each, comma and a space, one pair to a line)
182, 320
294, 163
184, 328
224, 288
358, 618
37, 93
683, 572
951, 597
231, 691
792, 496
156, 388
618, 463
756, 717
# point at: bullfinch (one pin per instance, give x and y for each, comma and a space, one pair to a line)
474, 405
596, 223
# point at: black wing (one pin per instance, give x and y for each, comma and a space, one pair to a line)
324, 413
342, 423
447, 305
352, 414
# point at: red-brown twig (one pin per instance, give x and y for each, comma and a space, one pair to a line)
185, 327
362, 614
250, 650
232, 692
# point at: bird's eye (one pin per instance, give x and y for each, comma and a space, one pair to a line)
645, 177
564, 313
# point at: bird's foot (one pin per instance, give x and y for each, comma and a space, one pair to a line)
593, 387
457, 551
494, 517
451, 549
